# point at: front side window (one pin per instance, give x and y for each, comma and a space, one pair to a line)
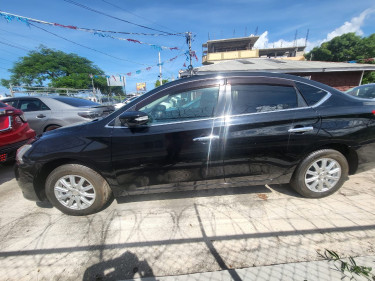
188, 105
32, 105
255, 98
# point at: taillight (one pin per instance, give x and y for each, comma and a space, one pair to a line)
373, 112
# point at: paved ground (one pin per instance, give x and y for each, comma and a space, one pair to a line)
183, 233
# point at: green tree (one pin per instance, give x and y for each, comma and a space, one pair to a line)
157, 83
54, 68
347, 47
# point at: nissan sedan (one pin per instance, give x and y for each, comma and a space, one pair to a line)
247, 128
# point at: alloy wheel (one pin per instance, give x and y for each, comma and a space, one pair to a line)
74, 192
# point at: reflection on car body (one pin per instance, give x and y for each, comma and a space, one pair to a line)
249, 128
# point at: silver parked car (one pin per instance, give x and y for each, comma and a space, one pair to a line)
49, 113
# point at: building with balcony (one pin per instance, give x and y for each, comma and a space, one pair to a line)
243, 48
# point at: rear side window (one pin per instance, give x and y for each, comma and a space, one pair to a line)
262, 98
76, 101
11, 102
32, 105
311, 94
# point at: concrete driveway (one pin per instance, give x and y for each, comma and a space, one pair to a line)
181, 233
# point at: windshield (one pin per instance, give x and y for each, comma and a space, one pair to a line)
76, 101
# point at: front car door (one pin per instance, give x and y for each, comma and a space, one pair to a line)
178, 148
265, 118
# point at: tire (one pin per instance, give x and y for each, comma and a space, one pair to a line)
51, 127
320, 174
89, 194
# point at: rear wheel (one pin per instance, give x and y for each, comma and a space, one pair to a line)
320, 174
77, 190
51, 127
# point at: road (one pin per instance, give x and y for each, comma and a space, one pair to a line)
181, 233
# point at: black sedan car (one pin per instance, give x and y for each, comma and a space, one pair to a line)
248, 128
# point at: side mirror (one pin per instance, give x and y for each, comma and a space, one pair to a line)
134, 118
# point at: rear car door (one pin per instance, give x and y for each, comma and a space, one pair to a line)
180, 146
267, 126
36, 112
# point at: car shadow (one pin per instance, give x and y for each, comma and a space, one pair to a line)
285, 189
256, 189
6, 172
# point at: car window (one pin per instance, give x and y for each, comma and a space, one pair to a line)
262, 98
11, 103
76, 101
367, 92
311, 94
188, 105
3, 104
32, 105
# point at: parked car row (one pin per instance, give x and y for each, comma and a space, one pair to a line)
49, 113
230, 128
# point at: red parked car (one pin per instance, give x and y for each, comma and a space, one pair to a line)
14, 131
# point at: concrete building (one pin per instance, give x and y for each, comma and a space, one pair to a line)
243, 48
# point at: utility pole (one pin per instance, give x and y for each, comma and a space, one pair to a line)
188, 41
160, 75
93, 89
11, 90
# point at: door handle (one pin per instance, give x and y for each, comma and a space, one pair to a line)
301, 129
206, 138
40, 116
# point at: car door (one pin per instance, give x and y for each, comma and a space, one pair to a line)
265, 118
179, 147
36, 112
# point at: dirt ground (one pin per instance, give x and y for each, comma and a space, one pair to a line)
184, 232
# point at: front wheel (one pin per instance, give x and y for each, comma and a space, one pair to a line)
320, 174
77, 190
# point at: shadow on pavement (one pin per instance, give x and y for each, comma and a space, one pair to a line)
6, 172
124, 267
256, 189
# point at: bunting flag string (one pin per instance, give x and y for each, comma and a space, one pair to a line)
139, 71
101, 33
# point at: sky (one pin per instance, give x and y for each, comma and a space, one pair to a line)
276, 22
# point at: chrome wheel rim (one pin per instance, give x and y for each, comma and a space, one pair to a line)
322, 175
74, 192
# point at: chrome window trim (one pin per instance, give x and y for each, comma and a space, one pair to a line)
9, 127
324, 99
219, 117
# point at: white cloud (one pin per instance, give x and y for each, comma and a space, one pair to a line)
354, 25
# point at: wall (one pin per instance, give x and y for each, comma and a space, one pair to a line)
340, 80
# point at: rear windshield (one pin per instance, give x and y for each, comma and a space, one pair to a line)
76, 102
3, 104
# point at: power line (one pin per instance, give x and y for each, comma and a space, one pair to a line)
9, 17
85, 46
113, 17
118, 7
11, 45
